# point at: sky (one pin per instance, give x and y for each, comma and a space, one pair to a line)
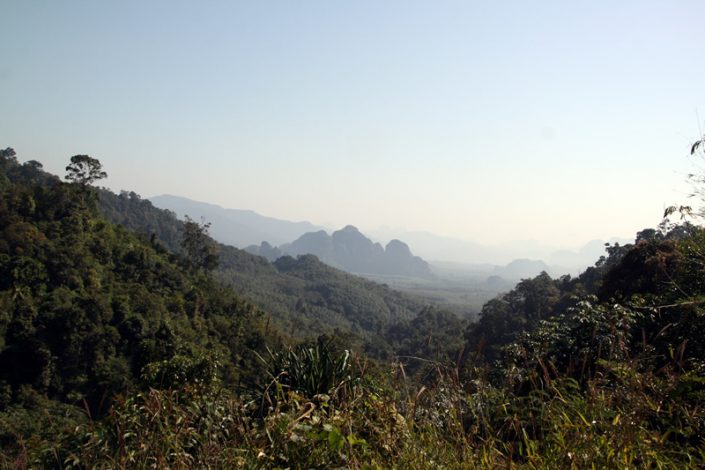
558, 121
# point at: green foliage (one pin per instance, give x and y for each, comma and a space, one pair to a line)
181, 370
625, 419
199, 248
503, 318
158, 428
304, 297
310, 370
432, 337
84, 170
112, 355
139, 215
572, 344
90, 310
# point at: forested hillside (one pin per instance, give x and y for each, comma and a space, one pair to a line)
89, 309
304, 297
126, 350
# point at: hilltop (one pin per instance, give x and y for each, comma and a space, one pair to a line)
348, 249
235, 227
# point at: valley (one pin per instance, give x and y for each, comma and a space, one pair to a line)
352, 235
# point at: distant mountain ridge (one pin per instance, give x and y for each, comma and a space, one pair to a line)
271, 238
304, 296
350, 250
235, 227
437, 248
522, 269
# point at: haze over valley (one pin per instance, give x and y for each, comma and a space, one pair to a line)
458, 274
352, 235
243, 228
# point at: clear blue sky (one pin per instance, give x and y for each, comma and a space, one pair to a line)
491, 121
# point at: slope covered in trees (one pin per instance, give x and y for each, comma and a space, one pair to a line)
605, 370
304, 296
87, 308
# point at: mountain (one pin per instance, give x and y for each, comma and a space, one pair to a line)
511, 272
262, 235
303, 296
521, 269
437, 248
235, 227
348, 249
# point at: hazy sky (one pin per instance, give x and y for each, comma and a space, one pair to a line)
556, 121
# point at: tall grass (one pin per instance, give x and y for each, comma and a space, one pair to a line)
329, 409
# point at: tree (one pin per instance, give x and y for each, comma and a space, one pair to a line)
8, 154
84, 170
199, 247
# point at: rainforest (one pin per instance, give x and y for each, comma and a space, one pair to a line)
132, 339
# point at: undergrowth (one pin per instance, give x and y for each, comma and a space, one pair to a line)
362, 417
